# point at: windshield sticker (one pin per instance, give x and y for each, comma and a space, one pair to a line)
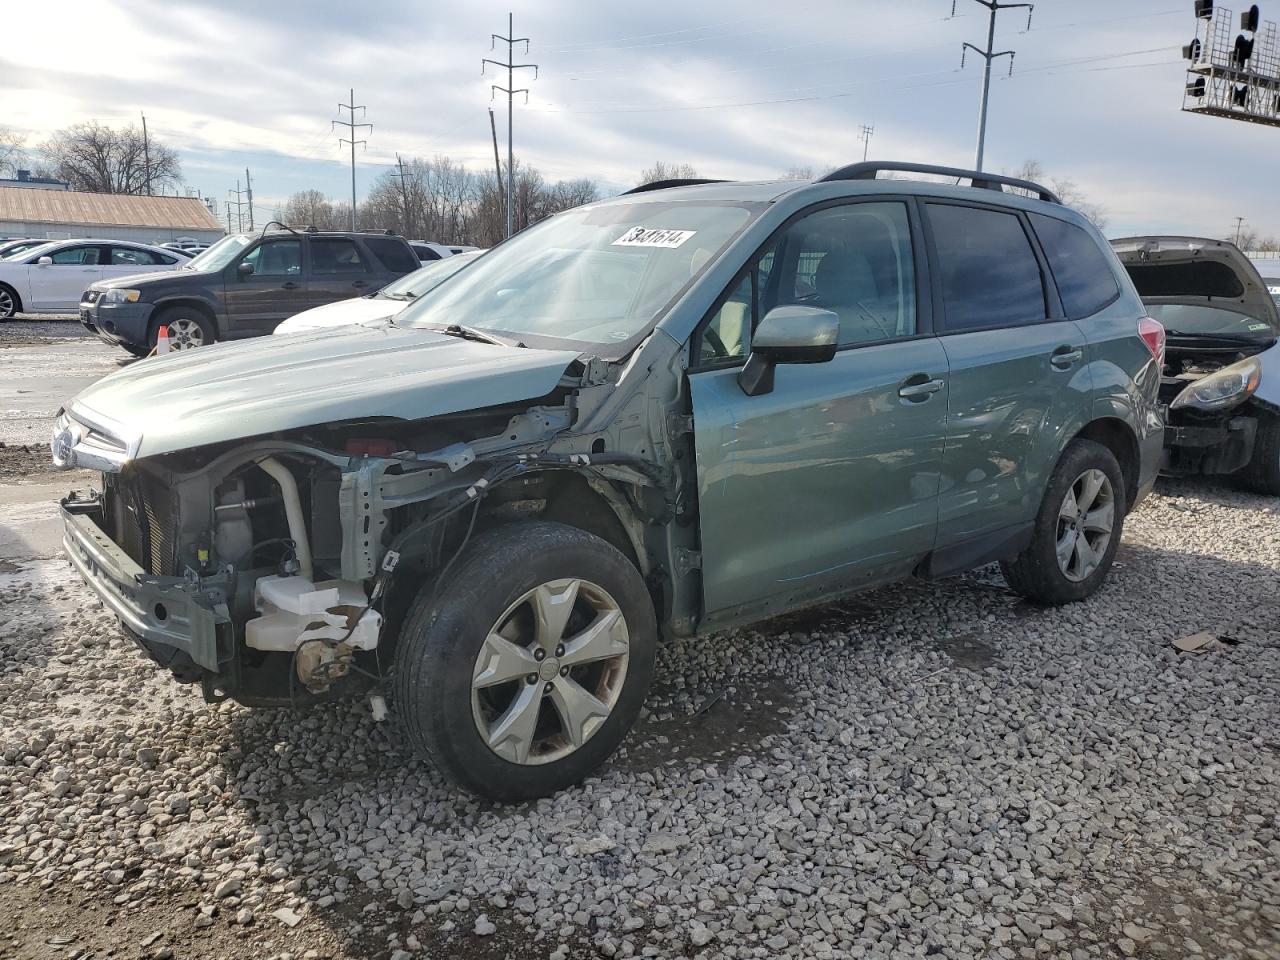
1259, 326
653, 237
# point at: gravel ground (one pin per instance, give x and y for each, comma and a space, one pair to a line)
931, 770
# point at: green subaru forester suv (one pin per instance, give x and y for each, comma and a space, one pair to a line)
696, 405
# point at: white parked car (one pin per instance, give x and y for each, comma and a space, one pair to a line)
429, 252
50, 278
381, 304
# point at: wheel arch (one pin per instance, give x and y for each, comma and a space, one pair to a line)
1118, 437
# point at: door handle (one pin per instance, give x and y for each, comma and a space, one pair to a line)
288, 285
919, 390
1065, 356
359, 283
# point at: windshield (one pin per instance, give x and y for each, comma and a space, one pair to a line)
1196, 321
220, 254
594, 275
1273, 288
413, 285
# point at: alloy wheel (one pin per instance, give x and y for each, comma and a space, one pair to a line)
550, 671
6, 305
185, 334
1086, 521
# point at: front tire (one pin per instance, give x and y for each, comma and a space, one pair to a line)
1077, 529
1262, 475
522, 671
188, 328
10, 303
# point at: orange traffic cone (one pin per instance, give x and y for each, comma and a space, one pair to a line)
162, 340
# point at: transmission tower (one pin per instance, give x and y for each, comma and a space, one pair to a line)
865, 133
239, 205
510, 91
351, 126
987, 55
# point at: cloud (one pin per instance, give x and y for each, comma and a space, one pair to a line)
738, 89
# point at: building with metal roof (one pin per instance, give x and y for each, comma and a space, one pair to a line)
64, 215
25, 180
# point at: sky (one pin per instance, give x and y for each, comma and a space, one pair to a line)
740, 89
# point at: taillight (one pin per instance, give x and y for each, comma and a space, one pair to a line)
1151, 331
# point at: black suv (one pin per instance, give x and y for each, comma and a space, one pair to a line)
243, 286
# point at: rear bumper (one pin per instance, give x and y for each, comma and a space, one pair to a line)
162, 610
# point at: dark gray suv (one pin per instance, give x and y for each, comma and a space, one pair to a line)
243, 286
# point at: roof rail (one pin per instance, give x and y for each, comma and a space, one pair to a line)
867, 170
664, 184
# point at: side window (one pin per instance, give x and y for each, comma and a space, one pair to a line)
1081, 270
394, 254
990, 275
276, 258
78, 256
855, 260
728, 332
333, 255
132, 256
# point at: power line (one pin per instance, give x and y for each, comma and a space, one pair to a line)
989, 54
351, 126
510, 40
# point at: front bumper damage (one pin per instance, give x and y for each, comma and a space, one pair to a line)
173, 613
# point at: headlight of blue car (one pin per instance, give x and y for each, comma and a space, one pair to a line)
1222, 390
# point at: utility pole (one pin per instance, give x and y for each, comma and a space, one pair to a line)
146, 153
497, 164
994, 6
1239, 226
228, 216
248, 189
510, 91
864, 134
404, 195
239, 205
351, 126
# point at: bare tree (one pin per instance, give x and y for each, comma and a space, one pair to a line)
1067, 190
798, 173
311, 208
666, 171
12, 154
99, 159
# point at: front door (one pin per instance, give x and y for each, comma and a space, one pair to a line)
275, 289
830, 481
338, 271
1019, 381
58, 285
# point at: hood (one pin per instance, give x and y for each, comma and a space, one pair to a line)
1197, 271
356, 310
159, 275
233, 391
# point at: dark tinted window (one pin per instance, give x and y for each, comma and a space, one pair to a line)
1080, 268
1198, 278
330, 255
990, 275
133, 256
83, 256
276, 258
394, 254
425, 253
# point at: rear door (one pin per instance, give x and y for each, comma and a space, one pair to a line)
831, 479
340, 270
276, 289
58, 285
1019, 381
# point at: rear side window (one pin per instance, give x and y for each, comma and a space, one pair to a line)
1080, 268
395, 255
990, 275
132, 256
425, 253
330, 255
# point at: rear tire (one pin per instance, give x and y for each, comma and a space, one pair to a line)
1262, 475
1077, 529
522, 670
10, 302
189, 327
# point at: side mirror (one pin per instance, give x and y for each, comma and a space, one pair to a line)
788, 334
245, 269
44, 261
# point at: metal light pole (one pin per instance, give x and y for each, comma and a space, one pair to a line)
510, 91
994, 6
351, 126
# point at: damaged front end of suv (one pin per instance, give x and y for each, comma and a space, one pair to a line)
1220, 386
